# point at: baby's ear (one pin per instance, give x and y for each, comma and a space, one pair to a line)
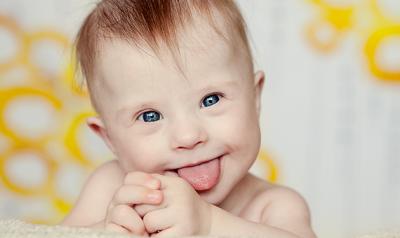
98, 127
259, 77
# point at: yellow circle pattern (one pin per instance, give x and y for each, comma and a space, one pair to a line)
366, 19
71, 139
8, 95
44, 188
12, 27
371, 47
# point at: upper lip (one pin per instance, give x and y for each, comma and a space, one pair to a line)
198, 162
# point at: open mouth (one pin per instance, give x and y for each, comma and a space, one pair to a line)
202, 176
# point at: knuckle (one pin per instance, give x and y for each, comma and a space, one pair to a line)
150, 223
141, 193
146, 221
140, 210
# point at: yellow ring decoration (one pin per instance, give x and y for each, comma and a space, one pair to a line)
311, 33
41, 36
9, 94
12, 27
340, 18
380, 16
45, 188
370, 50
61, 205
71, 139
272, 176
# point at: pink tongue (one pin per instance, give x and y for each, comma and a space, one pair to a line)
203, 176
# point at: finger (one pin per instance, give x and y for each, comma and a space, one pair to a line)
126, 217
116, 228
141, 178
171, 174
143, 209
134, 194
171, 181
164, 179
158, 220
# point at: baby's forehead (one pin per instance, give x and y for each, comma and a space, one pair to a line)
194, 54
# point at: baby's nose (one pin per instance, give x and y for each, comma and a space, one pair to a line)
187, 134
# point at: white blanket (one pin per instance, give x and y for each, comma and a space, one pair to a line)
20, 229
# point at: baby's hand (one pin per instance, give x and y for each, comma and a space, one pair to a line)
182, 213
138, 188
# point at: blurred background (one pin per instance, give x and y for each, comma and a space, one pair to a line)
330, 113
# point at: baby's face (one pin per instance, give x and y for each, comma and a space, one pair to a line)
202, 124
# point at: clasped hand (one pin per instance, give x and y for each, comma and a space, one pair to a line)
158, 206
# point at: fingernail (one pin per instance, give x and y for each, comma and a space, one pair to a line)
154, 196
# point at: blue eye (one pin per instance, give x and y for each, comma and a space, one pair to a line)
210, 100
149, 116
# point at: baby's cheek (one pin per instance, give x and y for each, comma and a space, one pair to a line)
141, 158
139, 164
235, 129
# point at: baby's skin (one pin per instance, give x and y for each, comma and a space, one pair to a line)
184, 140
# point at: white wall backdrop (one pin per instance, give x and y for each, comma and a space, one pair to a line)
330, 119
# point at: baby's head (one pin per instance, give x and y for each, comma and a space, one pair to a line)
174, 87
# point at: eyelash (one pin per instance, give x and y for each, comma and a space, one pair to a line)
220, 95
143, 113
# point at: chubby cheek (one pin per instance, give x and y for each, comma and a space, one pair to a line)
139, 154
239, 131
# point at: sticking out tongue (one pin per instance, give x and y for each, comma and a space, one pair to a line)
203, 176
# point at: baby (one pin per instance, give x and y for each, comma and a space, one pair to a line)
178, 103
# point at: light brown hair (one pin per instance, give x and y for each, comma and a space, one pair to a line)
152, 23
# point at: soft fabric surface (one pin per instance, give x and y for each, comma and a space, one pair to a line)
383, 234
19, 229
